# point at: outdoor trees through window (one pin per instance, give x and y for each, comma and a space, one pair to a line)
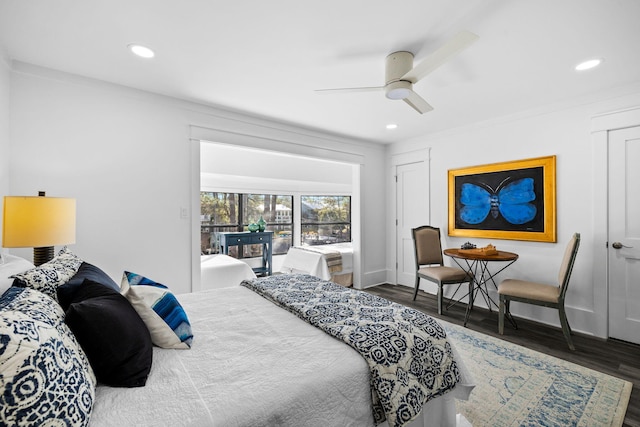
221, 212
325, 219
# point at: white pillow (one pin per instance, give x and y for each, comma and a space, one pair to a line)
159, 309
10, 265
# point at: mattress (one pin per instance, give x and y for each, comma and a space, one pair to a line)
312, 260
222, 271
251, 363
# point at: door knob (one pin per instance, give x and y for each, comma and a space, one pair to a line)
618, 245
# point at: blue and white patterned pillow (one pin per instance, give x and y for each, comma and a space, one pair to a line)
160, 311
44, 374
47, 277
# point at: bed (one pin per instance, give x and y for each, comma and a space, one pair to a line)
219, 271
252, 361
329, 262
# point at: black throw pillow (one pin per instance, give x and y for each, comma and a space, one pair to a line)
86, 271
112, 334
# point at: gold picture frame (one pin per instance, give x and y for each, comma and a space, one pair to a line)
510, 200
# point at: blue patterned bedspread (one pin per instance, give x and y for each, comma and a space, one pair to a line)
408, 353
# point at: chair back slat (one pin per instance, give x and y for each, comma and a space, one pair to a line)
567, 264
427, 245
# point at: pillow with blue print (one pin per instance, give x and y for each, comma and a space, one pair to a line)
47, 277
46, 376
159, 309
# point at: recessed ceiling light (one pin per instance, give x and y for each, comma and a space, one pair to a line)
589, 64
392, 126
141, 51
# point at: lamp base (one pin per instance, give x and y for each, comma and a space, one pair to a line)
42, 255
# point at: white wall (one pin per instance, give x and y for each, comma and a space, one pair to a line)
122, 154
562, 131
4, 128
270, 172
292, 170
127, 157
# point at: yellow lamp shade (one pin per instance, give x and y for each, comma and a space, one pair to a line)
33, 222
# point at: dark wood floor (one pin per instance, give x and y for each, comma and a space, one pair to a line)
613, 357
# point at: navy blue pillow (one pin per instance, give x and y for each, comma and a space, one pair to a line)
86, 271
112, 334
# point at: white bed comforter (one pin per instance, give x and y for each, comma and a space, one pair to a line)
222, 271
251, 364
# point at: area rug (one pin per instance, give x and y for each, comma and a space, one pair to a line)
516, 386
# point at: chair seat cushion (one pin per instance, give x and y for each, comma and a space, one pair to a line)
444, 274
529, 290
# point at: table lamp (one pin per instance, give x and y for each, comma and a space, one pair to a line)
38, 222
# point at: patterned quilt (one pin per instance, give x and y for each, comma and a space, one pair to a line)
408, 353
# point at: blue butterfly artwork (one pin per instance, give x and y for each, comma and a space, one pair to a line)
509, 199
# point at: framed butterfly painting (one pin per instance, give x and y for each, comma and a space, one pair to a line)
510, 200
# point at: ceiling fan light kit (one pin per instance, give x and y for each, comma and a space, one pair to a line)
398, 90
400, 74
398, 64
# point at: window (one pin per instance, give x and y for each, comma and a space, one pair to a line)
220, 212
325, 219
277, 211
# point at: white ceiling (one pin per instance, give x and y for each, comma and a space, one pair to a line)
267, 57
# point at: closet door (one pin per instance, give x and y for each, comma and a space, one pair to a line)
624, 234
412, 210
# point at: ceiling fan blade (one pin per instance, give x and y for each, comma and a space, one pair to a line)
454, 46
349, 89
417, 103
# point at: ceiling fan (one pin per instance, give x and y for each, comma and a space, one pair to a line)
400, 74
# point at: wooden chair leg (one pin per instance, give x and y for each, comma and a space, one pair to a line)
440, 298
415, 292
501, 310
566, 330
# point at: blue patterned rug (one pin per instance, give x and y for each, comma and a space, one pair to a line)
516, 386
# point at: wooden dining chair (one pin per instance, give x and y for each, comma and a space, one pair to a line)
541, 294
430, 265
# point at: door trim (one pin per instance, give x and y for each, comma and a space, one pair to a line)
415, 156
601, 125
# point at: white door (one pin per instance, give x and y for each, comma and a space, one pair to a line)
624, 234
412, 210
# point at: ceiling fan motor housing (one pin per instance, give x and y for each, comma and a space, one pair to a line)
398, 64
